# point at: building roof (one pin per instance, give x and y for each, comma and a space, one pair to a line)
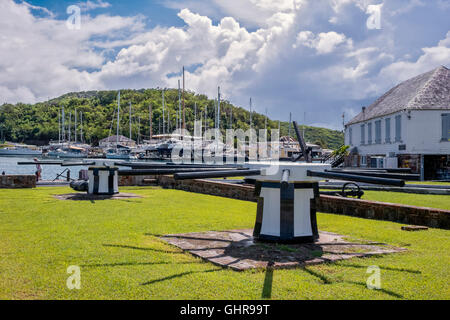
428, 91
114, 139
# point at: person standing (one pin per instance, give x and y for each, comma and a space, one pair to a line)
38, 169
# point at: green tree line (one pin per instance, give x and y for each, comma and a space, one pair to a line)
38, 123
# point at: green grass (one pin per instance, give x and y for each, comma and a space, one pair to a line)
116, 245
431, 183
420, 200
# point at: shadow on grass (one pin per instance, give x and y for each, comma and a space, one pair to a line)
382, 268
140, 248
179, 275
268, 282
125, 264
325, 280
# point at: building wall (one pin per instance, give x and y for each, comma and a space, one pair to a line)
421, 133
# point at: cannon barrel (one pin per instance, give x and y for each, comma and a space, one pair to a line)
377, 174
164, 171
356, 178
285, 179
216, 174
140, 165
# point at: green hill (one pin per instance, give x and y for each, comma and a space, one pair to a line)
38, 123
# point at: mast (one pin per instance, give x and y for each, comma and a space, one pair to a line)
250, 113
139, 130
130, 122
290, 123
218, 108
184, 104
179, 105
265, 125
231, 117
163, 117
59, 125
81, 127
63, 123
75, 126
118, 120
70, 127
150, 112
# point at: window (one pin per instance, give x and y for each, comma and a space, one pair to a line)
388, 130
363, 134
350, 136
378, 131
363, 161
398, 128
446, 127
369, 133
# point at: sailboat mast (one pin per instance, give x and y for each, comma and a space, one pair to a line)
81, 127
59, 125
184, 104
63, 116
118, 120
70, 127
130, 121
75, 125
250, 113
151, 120
218, 108
163, 117
179, 105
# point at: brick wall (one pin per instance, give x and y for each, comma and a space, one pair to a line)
434, 218
17, 181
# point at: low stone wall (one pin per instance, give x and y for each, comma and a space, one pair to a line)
131, 181
215, 188
430, 217
17, 181
434, 218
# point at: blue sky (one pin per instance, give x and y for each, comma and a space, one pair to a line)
317, 57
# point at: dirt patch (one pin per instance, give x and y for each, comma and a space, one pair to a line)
94, 197
236, 249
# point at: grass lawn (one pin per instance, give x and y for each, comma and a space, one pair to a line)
116, 246
420, 200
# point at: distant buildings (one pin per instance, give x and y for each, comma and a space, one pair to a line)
408, 127
111, 142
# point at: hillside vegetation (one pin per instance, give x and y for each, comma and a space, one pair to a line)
38, 123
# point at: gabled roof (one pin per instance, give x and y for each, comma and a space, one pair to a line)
428, 91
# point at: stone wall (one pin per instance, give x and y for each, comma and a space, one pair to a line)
17, 181
129, 181
434, 218
215, 188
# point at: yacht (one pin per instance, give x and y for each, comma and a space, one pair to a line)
20, 150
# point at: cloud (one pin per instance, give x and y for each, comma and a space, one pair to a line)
324, 42
91, 5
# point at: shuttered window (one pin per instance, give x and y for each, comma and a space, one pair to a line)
363, 134
369, 133
388, 130
378, 131
446, 127
398, 128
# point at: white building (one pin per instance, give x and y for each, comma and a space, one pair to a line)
408, 127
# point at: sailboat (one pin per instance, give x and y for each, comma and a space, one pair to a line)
120, 152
